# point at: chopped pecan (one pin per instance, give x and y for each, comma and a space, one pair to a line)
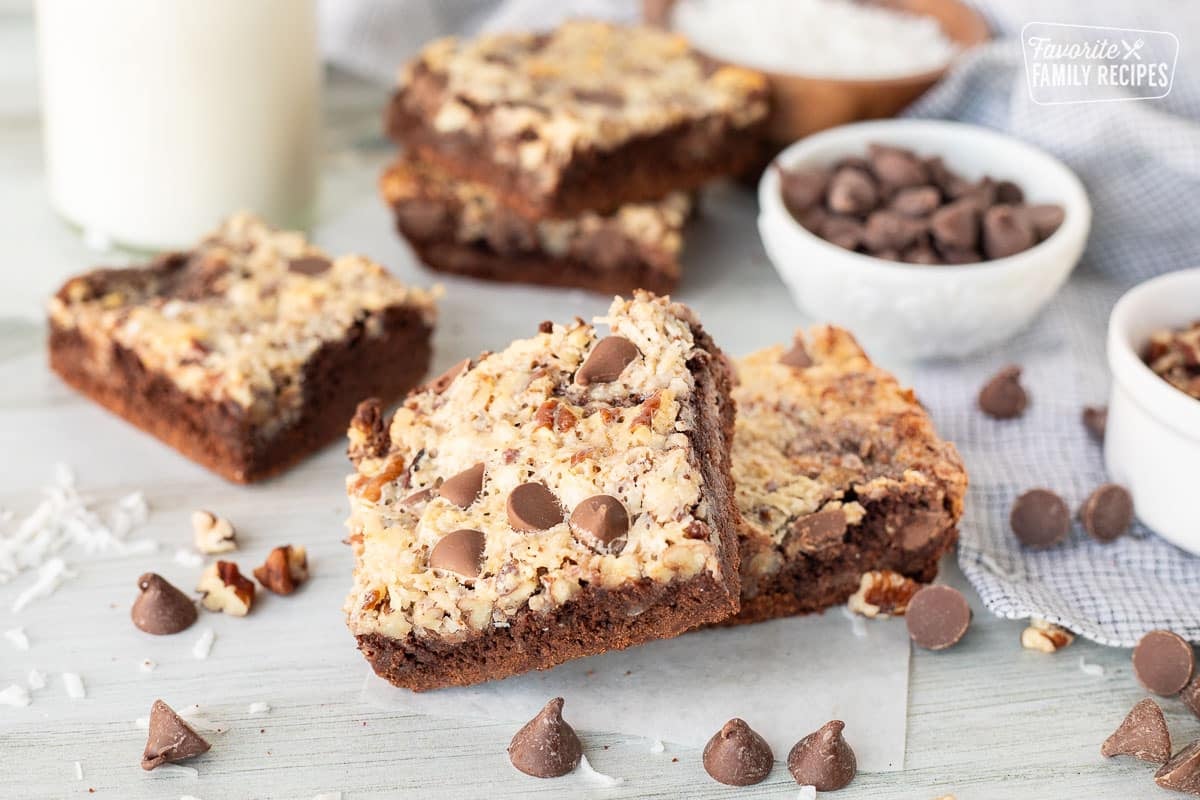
212, 534
225, 589
648, 409
882, 593
285, 568
1045, 637
368, 432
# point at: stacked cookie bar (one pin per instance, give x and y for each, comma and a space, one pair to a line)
564, 158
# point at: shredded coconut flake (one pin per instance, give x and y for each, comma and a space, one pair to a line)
18, 638
258, 708
74, 685
147, 665
1095, 670
14, 695
657, 746
586, 770
177, 770
329, 796
36, 679
203, 645
187, 558
78, 771
857, 624
50, 575
807, 793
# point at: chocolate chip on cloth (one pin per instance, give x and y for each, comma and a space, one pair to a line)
161, 608
737, 756
852, 191
607, 361
546, 746
1107, 513
1003, 397
1163, 662
1095, 419
459, 552
533, 507
937, 617
823, 759
170, 738
1040, 519
1143, 734
1182, 773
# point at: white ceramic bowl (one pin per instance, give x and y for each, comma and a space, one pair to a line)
1152, 444
915, 311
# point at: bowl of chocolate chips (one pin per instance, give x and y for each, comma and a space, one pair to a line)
929, 239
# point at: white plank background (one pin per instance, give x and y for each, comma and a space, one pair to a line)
986, 719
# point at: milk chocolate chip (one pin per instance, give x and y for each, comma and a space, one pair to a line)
462, 489
823, 759
897, 167
1045, 219
891, 230
852, 191
1143, 734
818, 532
170, 738
161, 608
442, 382
737, 756
1182, 773
938, 616
603, 518
533, 507
1006, 231
1163, 662
797, 357
916, 201
607, 361
1107, 513
1003, 397
460, 552
1095, 419
1040, 518
546, 746
802, 189
309, 265
1191, 696
955, 226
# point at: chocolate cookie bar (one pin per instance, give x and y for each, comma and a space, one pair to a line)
247, 353
838, 472
461, 227
566, 496
587, 117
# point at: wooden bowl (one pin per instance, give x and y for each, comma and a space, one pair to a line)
803, 105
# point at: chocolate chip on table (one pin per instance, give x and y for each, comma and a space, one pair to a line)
955, 226
607, 361
533, 507
1107, 513
161, 608
937, 617
852, 191
1006, 232
823, 759
1163, 662
897, 167
1191, 696
1003, 397
1040, 519
170, 738
1182, 773
737, 756
546, 746
460, 552
916, 201
309, 265
1095, 419
798, 356
1143, 734
462, 489
802, 189
603, 518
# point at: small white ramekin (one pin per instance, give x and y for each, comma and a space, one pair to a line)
912, 311
1152, 443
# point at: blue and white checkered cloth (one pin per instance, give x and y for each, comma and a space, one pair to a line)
1141, 163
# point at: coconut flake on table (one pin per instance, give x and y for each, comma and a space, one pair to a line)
78, 771
807, 792
147, 665
1095, 670
18, 638
74, 685
657, 746
36, 679
258, 708
589, 772
203, 645
14, 695
329, 796
186, 558
816, 38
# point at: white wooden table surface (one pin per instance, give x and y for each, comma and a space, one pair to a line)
986, 719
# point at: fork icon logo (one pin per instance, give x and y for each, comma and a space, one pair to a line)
1132, 49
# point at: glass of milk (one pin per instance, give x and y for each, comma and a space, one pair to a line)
161, 117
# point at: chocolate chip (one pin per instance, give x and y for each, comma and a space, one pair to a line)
955, 226
897, 167
798, 356
420, 496
1163, 662
1107, 513
955, 255
916, 201
161, 608
463, 489
533, 507
817, 533
802, 189
603, 518
922, 527
890, 230
1003, 397
609, 98
1143, 734
170, 738
442, 382
845, 232
1006, 232
545, 326
607, 361
852, 191
423, 218
459, 551
921, 254
1182, 773
737, 756
1040, 519
938, 616
309, 265
1095, 419
823, 759
1009, 193
1191, 696
1045, 219
546, 746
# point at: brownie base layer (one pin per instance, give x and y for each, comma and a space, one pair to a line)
474, 261
806, 585
217, 435
681, 158
596, 620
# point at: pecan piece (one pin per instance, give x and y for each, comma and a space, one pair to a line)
285, 568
